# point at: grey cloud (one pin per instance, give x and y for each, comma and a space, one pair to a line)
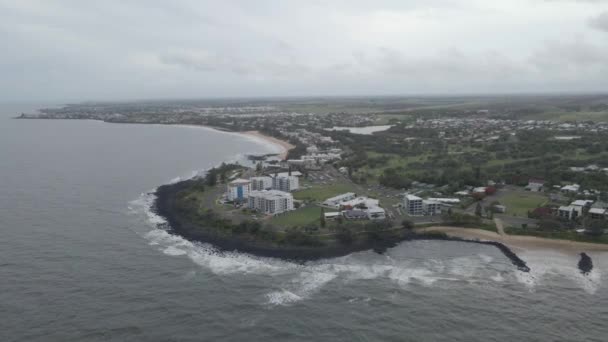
600, 22
184, 48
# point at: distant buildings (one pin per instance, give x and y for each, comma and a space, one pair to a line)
535, 185
356, 208
573, 188
270, 202
238, 190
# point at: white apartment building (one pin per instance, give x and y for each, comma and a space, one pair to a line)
270, 202
238, 190
261, 183
285, 183
430, 207
413, 205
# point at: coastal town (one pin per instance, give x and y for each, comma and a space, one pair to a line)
510, 169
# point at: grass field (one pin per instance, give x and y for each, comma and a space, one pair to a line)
322, 192
300, 217
519, 203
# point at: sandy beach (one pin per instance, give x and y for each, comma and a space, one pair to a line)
519, 241
284, 144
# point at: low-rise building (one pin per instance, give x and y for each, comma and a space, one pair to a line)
413, 205
355, 214
270, 202
238, 190
572, 188
376, 213
445, 200
535, 185
336, 201
598, 213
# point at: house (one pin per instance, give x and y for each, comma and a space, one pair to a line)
598, 213
270, 202
573, 188
238, 190
535, 185
413, 205
336, 201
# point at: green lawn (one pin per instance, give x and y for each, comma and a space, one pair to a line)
299, 217
322, 192
519, 203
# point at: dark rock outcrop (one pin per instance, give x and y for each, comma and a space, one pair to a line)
585, 264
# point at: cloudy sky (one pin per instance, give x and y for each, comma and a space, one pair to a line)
140, 49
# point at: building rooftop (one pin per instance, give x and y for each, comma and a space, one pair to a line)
581, 203
240, 181
598, 211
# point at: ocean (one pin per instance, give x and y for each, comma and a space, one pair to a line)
82, 259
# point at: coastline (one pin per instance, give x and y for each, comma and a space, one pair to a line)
520, 242
285, 146
178, 224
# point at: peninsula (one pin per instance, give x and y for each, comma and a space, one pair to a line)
357, 174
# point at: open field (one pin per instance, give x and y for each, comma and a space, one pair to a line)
320, 193
300, 217
521, 202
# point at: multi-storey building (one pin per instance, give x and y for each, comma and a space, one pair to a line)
285, 183
261, 183
270, 202
413, 205
430, 207
238, 190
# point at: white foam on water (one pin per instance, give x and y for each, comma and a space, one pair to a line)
301, 287
174, 251
546, 266
498, 278
143, 207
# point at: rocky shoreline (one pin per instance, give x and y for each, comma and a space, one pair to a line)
163, 206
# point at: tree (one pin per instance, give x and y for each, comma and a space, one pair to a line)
259, 167
323, 217
407, 224
478, 209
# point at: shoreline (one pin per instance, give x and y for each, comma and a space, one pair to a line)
520, 242
176, 223
285, 146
